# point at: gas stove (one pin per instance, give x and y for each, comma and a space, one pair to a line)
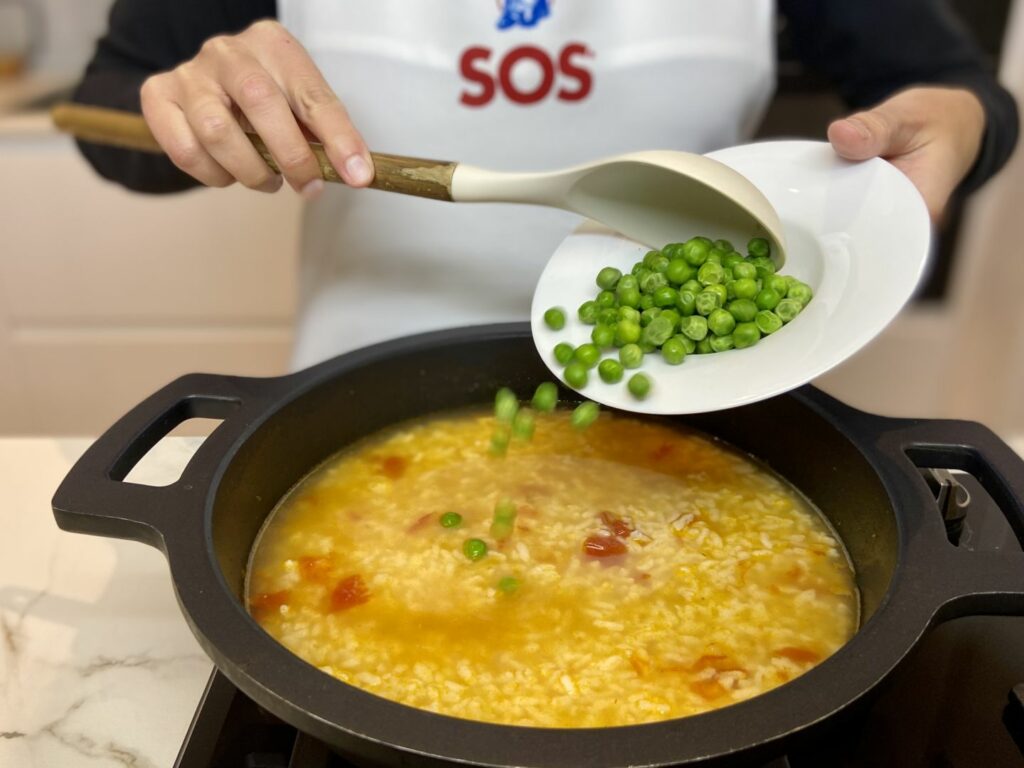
957, 702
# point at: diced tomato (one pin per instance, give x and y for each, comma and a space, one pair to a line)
604, 546
267, 602
393, 466
420, 522
316, 569
616, 525
662, 451
708, 689
351, 591
799, 655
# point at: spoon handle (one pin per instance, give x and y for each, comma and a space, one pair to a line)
392, 173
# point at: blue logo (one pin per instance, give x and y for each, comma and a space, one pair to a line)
522, 13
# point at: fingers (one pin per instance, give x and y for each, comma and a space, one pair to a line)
172, 131
311, 98
875, 133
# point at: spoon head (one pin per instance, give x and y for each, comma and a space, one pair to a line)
662, 197
858, 235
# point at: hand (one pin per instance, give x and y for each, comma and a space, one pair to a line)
931, 134
266, 77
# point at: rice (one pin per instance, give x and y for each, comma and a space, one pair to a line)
732, 584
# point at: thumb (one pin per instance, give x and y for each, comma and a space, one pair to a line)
864, 135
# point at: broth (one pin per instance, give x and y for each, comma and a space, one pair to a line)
652, 573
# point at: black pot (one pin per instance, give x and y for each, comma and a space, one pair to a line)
860, 470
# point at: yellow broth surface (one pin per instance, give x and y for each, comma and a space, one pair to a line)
657, 573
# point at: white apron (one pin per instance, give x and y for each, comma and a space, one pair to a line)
504, 84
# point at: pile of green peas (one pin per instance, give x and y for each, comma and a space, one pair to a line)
697, 297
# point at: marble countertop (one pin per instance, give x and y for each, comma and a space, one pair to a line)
97, 665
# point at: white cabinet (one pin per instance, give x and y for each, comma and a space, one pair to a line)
106, 295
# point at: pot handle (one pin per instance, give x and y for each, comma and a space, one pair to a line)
93, 498
976, 582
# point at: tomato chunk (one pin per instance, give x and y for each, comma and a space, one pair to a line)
604, 546
316, 569
351, 591
616, 525
267, 602
393, 466
799, 655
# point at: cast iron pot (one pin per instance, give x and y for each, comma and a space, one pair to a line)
860, 470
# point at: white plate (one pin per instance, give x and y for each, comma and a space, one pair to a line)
857, 233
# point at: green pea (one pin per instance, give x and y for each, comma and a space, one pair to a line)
508, 584
744, 270
607, 278
799, 291
646, 347
673, 251
721, 322
688, 344
649, 314
588, 312
627, 332
650, 257
502, 529
450, 520
724, 245
787, 309
704, 346
710, 274
605, 299
608, 316
610, 371
715, 256
731, 259
777, 283
603, 336
545, 399
474, 549
743, 310
695, 251
693, 286
746, 335
505, 405
673, 351
630, 297
660, 264
763, 263
629, 313
767, 322
745, 288
505, 510
730, 290
587, 354
707, 302
631, 356
586, 413
657, 332
723, 293
672, 316
504, 523
576, 375
626, 282
722, 343
652, 282
758, 246
563, 352
679, 271
665, 296
637, 267
767, 299
728, 276
499, 442
646, 301
695, 327
639, 386
523, 424
686, 304
554, 318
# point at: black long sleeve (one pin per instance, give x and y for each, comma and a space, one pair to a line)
870, 48
873, 48
144, 37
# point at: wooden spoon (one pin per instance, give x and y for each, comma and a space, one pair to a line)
653, 197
